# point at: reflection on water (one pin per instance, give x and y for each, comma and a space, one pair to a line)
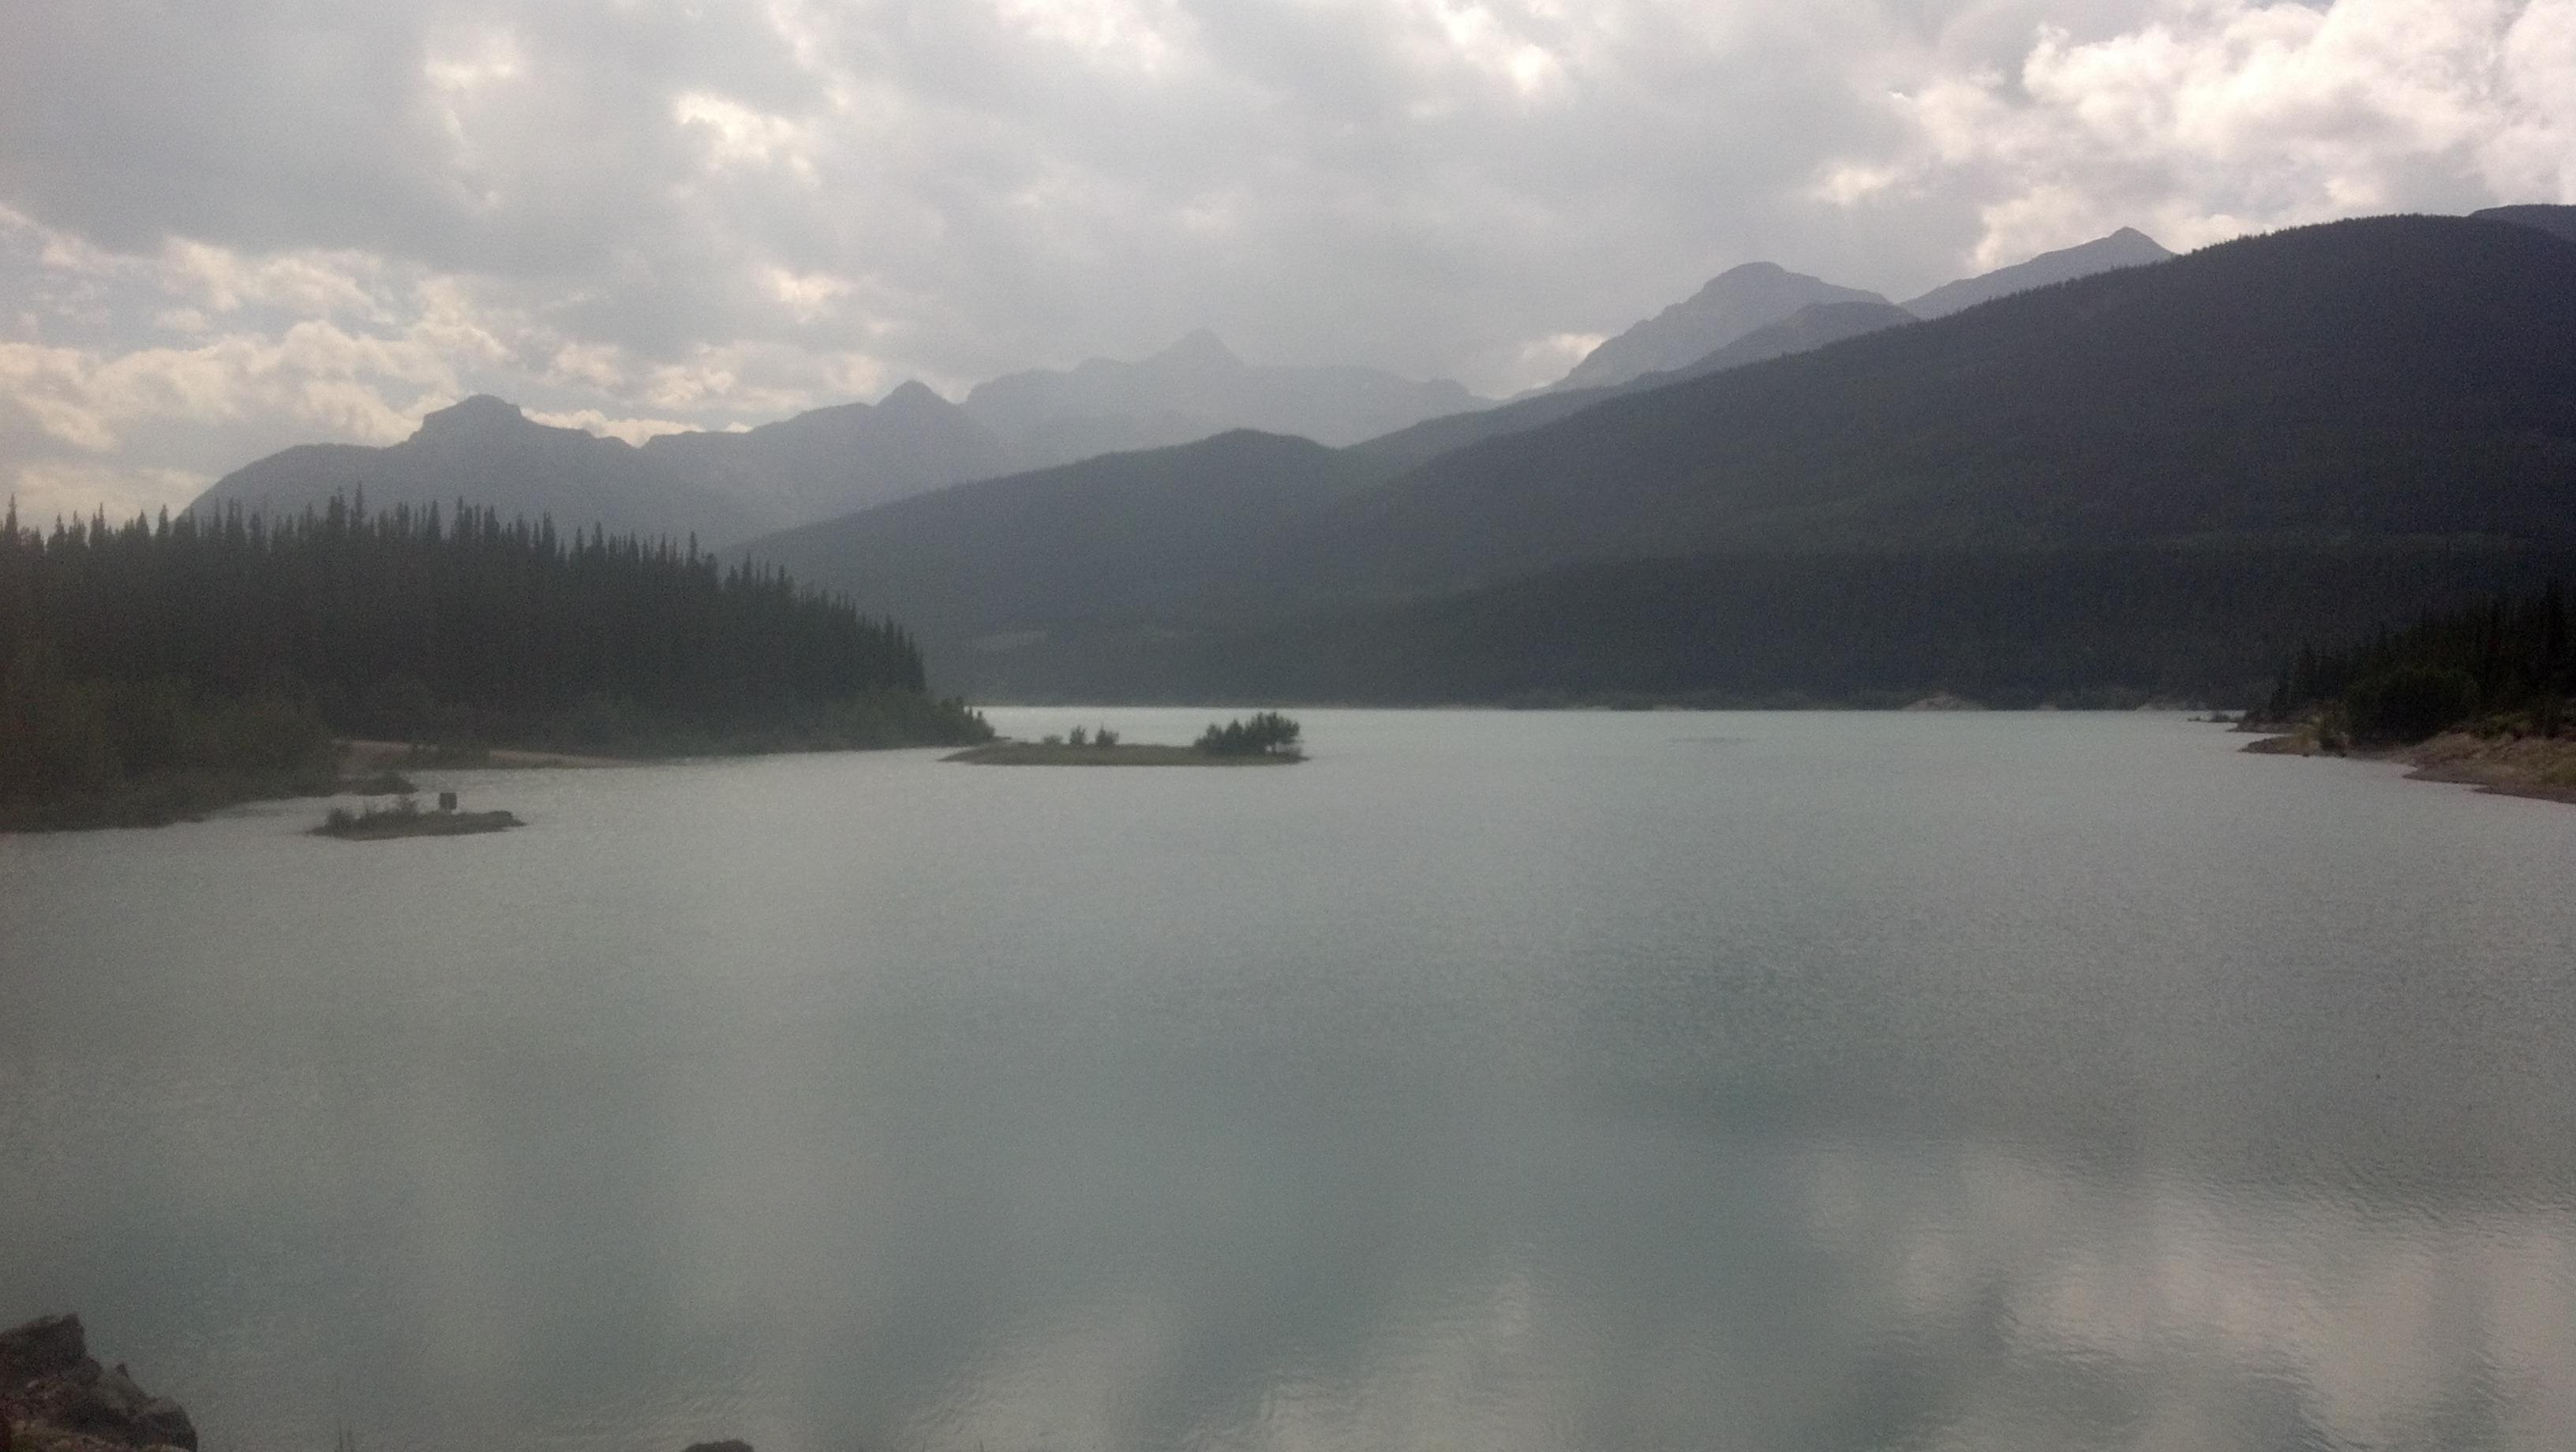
1492, 1082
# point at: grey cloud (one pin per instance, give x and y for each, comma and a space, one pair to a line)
724, 209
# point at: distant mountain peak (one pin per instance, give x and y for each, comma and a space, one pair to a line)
1201, 347
911, 394
2127, 247
1745, 297
472, 420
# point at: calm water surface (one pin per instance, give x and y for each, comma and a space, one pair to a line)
1492, 1082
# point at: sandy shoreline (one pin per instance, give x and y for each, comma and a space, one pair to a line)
2541, 768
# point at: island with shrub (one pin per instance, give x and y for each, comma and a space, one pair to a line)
1264, 739
406, 818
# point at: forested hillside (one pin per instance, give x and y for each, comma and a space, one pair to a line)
2099, 627
230, 645
1110, 538
2150, 481
486, 450
2388, 378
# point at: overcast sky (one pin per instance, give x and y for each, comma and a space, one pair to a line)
230, 225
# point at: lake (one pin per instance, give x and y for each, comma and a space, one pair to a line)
1493, 1081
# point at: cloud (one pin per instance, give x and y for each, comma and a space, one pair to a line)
2215, 117
632, 430
711, 214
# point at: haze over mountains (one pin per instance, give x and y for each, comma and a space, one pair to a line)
1195, 388
829, 461
2180, 465
2127, 247
2305, 417
485, 450
1732, 304
727, 487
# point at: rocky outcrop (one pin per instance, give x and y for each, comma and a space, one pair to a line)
55, 1397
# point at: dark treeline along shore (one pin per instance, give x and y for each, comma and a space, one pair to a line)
2478, 695
2503, 666
156, 668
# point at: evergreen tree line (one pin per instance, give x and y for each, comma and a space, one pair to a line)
2507, 658
1267, 733
479, 612
2104, 628
206, 644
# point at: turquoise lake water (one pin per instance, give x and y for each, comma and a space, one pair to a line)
1493, 1081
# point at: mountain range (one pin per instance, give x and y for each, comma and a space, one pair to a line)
487, 451
727, 487
2151, 477
1193, 389
2286, 430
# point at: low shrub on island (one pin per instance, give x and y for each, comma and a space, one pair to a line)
1266, 733
405, 818
1267, 739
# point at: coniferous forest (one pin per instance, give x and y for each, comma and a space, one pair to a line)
2507, 663
159, 666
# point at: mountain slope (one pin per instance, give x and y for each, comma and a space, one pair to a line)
2127, 247
2556, 220
2387, 377
486, 451
833, 461
1194, 389
1814, 326
1104, 538
1732, 304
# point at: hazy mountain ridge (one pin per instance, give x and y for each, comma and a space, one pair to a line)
2276, 396
486, 451
1730, 305
1815, 326
2294, 396
831, 461
2310, 382
2548, 217
730, 486
1195, 389
1105, 538
2127, 247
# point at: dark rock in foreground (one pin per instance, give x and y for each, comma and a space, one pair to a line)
54, 1397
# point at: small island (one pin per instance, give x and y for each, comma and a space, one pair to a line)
405, 818
1266, 739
